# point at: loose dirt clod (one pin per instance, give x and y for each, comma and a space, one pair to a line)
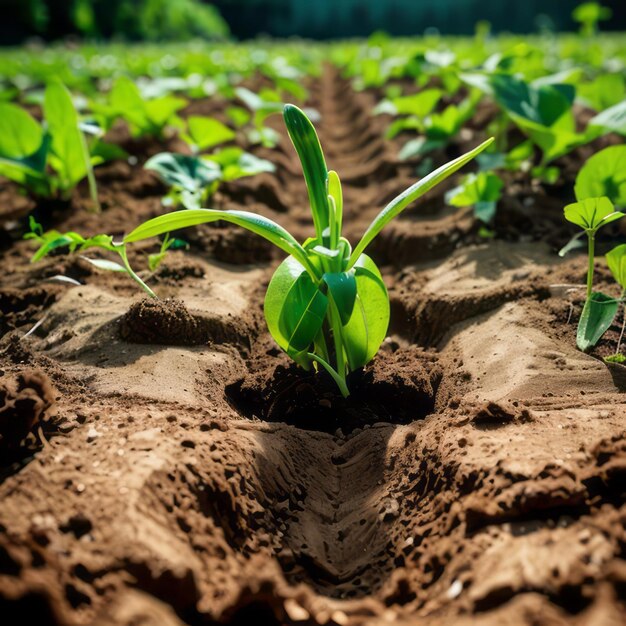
24, 400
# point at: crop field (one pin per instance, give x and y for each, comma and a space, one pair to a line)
314, 333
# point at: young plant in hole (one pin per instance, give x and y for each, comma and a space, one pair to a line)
326, 305
599, 309
193, 179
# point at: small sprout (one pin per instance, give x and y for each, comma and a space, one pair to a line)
53, 240
599, 309
481, 191
194, 179
326, 304
589, 14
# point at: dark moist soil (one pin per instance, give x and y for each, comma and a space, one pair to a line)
163, 463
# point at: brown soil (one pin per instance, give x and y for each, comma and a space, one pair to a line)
187, 473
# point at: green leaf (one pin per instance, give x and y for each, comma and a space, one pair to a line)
342, 288
481, 190
294, 309
160, 111
206, 132
69, 154
367, 327
616, 260
53, 240
307, 145
592, 213
604, 174
245, 164
20, 135
239, 117
257, 224
396, 206
546, 105
597, 317
189, 173
420, 104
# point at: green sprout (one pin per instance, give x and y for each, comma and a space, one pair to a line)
51, 159
326, 304
53, 240
589, 14
599, 309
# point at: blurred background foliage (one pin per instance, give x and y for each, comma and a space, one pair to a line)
159, 20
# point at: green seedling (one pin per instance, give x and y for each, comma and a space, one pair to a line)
589, 15
326, 305
54, 240
144, 117
194, 179
438, 129
262, 106
482, 191
51, 159
616, 260
599, 309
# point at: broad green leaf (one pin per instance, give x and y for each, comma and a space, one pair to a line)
189, 173
290, 280
253, 222
547, 105
420, 104
206, 132
597, 317
397, 205
302, 314
604, 174
367, 327
246, 165
20, 135
616, 260
126, 101
481, 190
70, 157
342, 289
592, 213
307, 145
160, 111
603, 92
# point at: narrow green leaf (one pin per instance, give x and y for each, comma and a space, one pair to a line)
253, 222
396, 206
307, 145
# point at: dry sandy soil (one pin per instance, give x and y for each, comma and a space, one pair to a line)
163, 464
